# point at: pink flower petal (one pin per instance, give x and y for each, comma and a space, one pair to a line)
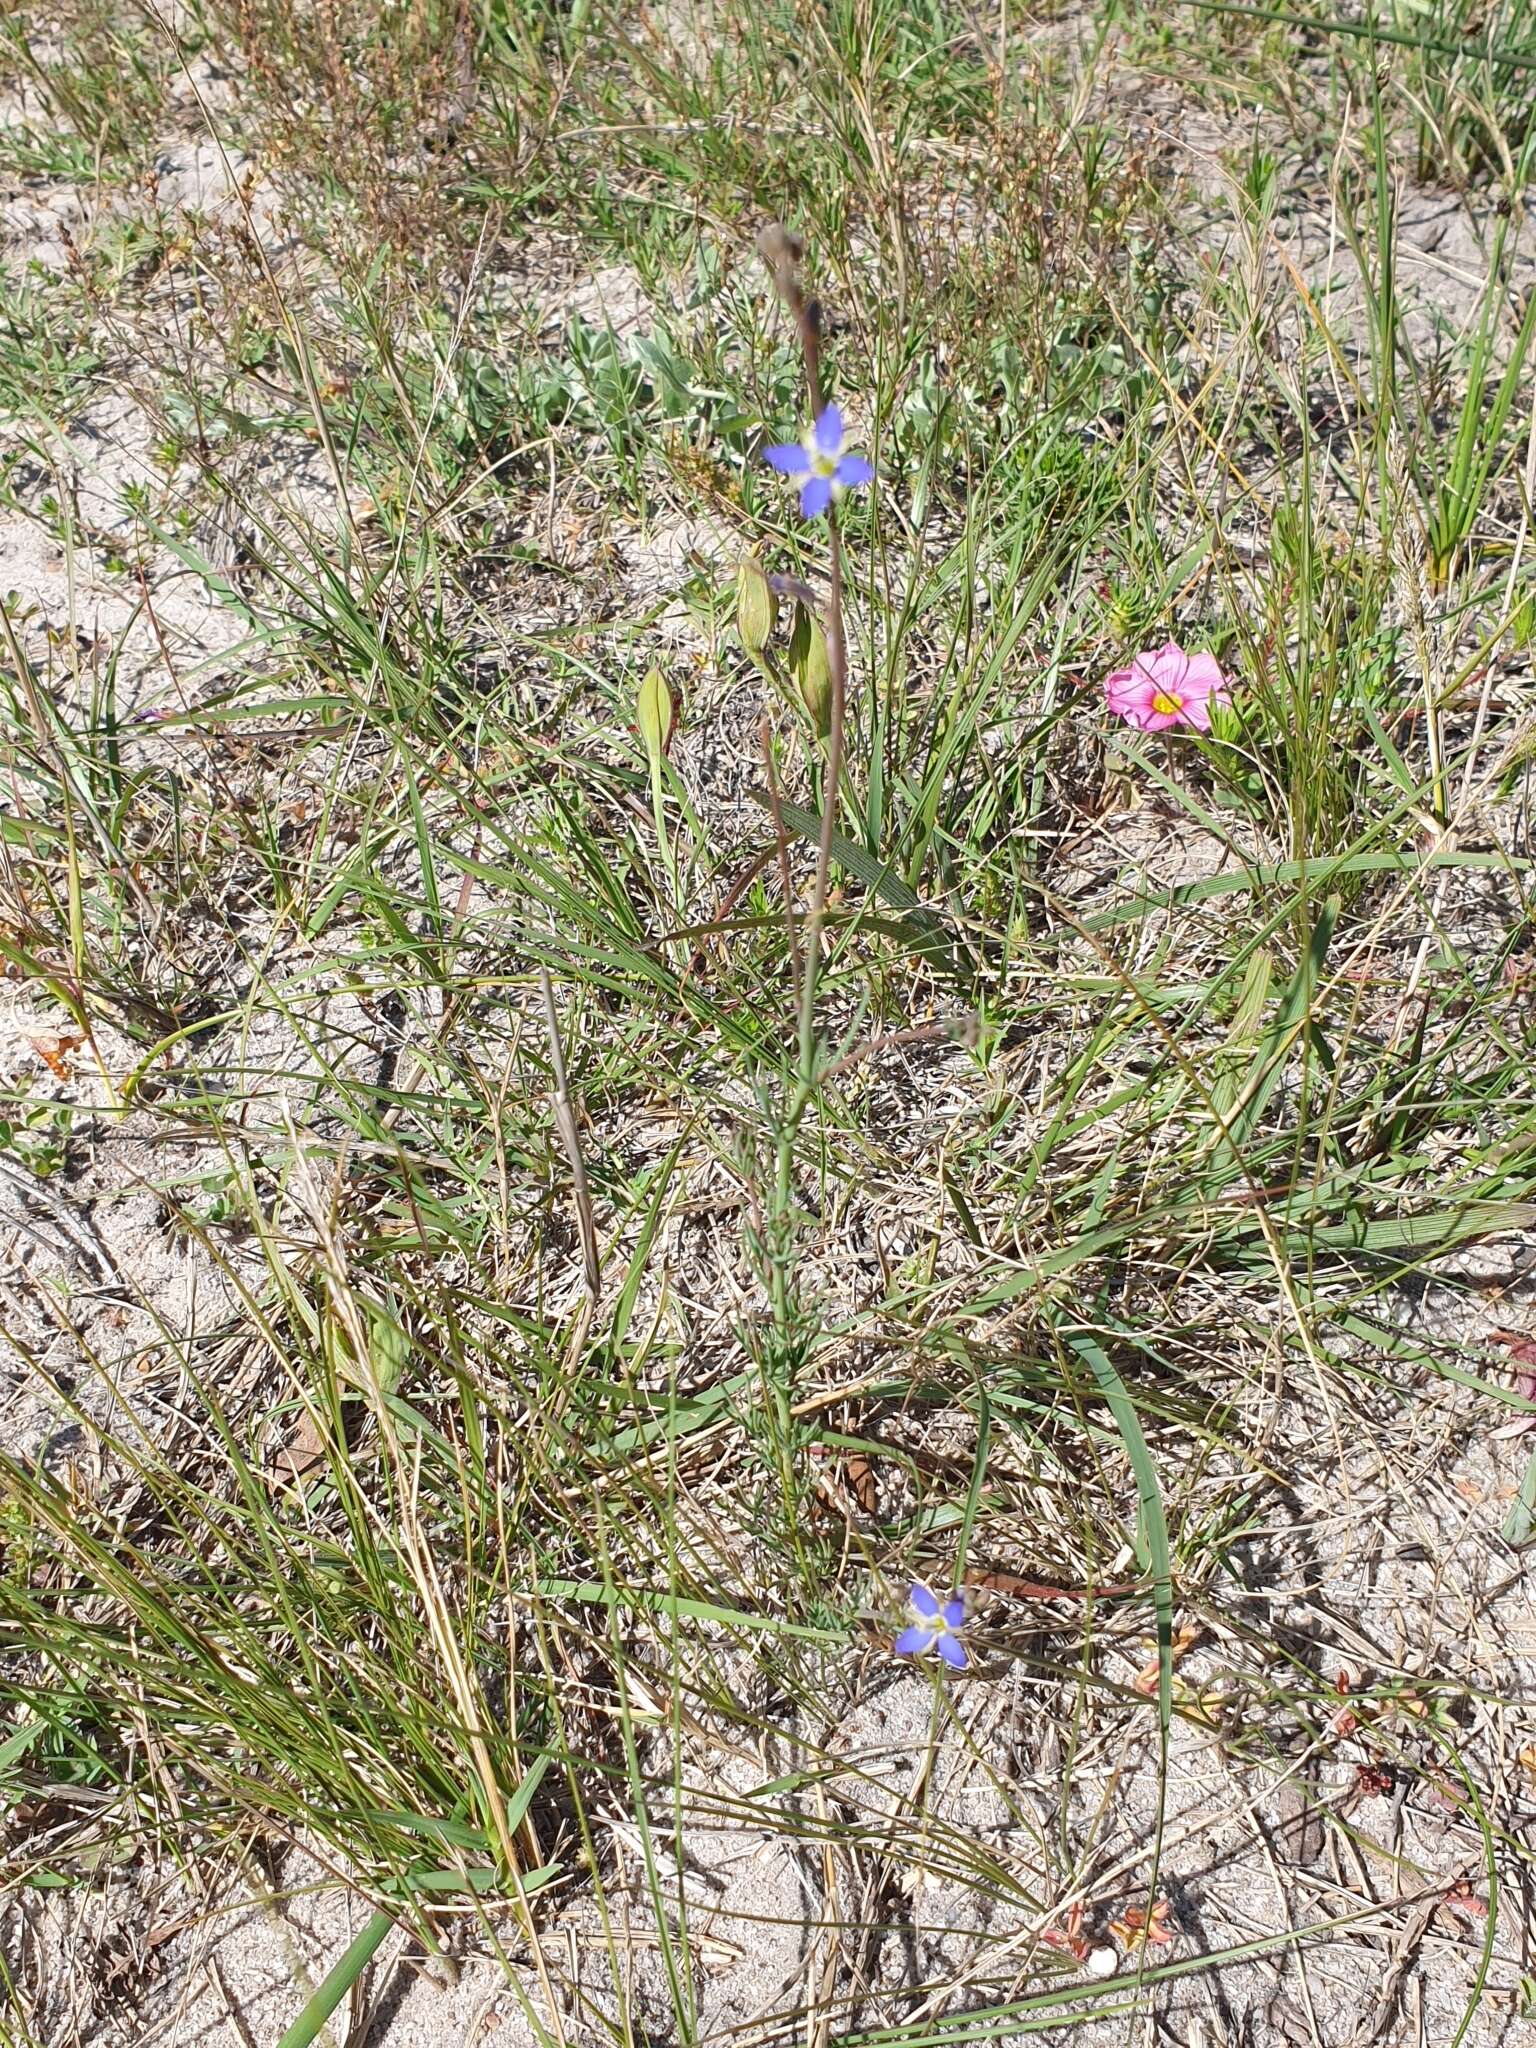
1128, 690
1134, 705
1170, 662
1204, 678
1191, 682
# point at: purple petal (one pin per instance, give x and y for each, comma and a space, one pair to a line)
923, 1603
952, 1650
789, 458
954, 1613
913, 1641
815, 496
852, 471
829, 430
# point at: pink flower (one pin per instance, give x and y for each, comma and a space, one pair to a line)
1166, 688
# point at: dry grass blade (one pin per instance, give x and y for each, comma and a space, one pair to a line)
565, 1124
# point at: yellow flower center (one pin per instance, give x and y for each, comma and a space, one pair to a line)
1166, 706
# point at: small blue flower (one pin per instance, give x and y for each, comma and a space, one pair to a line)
937, 1628
821, 462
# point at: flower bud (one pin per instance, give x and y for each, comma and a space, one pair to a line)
655, 714
811, 666
757, 609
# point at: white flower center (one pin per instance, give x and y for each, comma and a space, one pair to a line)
821, 463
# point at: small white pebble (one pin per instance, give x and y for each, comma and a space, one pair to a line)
1103, 1962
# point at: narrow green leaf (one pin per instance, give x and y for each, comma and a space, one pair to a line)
1233, 1061
624, 1307
1290, 1022
1157, 1554
1521, 1519
593, 1593
338, 1983
919, 926
1321, 873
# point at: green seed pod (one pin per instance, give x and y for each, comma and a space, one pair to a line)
757, 609
811, 666
655, 714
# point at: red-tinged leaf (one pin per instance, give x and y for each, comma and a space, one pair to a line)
54, 1052
1136, 1927
1522, 1353
1462, 1896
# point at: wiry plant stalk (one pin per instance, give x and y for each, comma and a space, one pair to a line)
782, 253
570, 1140
1425, 635
781, 847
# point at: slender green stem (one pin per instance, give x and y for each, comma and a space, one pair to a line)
782, 253
338, 1982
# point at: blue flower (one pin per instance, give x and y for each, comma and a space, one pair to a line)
937, 1628
827, 471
